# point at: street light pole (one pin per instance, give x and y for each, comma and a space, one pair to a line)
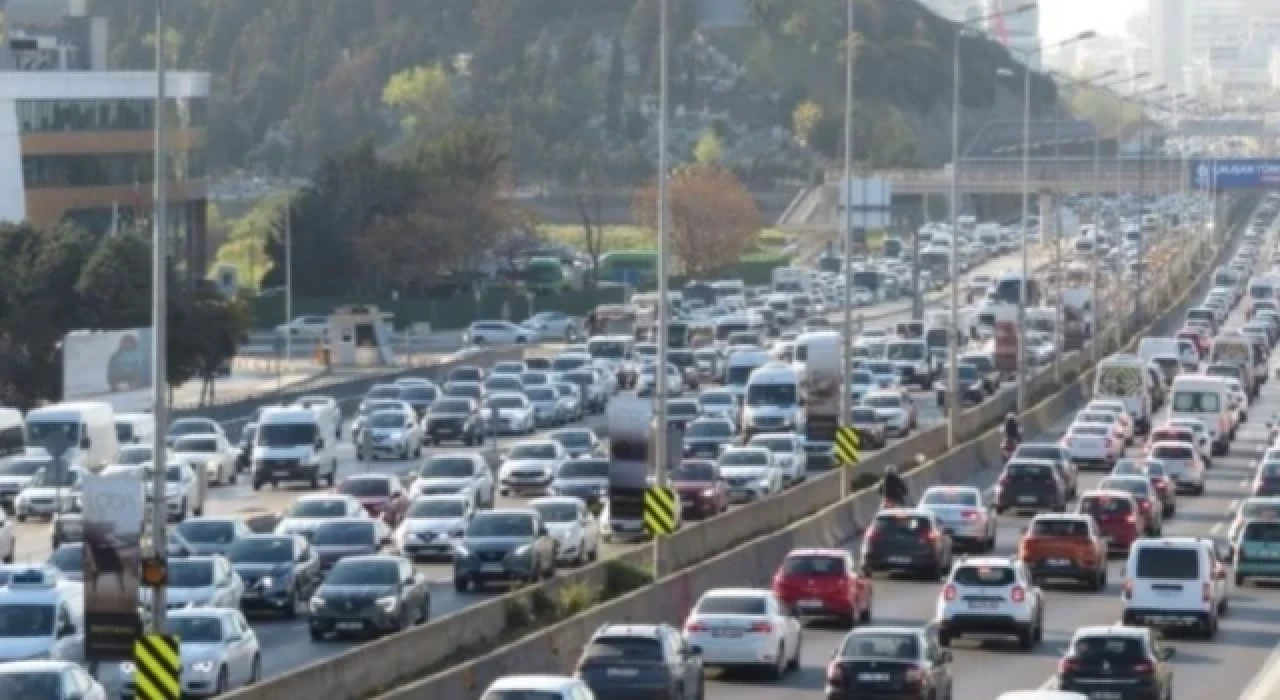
846, 327
953, 403
159, 321
288, 280
664, 301
1026, 197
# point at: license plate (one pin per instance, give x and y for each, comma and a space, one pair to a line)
900, 560
1026, 499
492, 568
982, 605
727, 634
739, 493
810, 604
281, 472
622, 672
350, 625
1059, 562
873, 677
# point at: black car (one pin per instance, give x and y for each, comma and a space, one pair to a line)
641, 661
500, 546
1030, 485
279, 572
466, 373
907, 540
873, 431
707, 437
454, 419
1059, 456
681, 412
376, 594
890, 662
420, 397
244, 448
972, 387
1129, 663
341, 538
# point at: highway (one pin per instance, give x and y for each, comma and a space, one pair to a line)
286, 644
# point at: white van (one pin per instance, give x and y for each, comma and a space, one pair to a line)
294, 444
135, 428
1207, 399
1234, 348
13, 439
1151, 348
89, 428
1175, 583
772, 400
1125, 377
36, 590
740, 365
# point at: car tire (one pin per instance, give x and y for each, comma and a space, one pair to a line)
316, 635
291, 606
1027, 638
778, 670
231, 479
220, 686
793, 664
255, 670
944, 638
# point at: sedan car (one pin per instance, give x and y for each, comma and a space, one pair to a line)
212, 534
1144, 494
750, 473
509, 413
578, 442
504, 545
745, 627
646, 382
879, 661
824, 583
394, 434
497, 333
873, 432
433, 525
210, 452
896, 409
192, 426
278, 571
202, 582
719, 403
382, 495
788, 454
454, 418
964, 515
462, 473
703, 491
530, 467
548, 410
1099, 445
220, 653
377, 594
340, 538
708, 437
309, 510
574, 528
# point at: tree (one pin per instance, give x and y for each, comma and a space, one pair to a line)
206, 332
713, 218
115, 283
804, 119
707, 150
424, 97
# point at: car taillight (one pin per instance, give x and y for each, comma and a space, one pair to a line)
1206, 593
915, 676
1144, 668
1131, 519
1126, 591
1110, 443
1145, 504
873, 534
693, 626
930, 536
761, 628
971, 515
835, 674
1068, 666
1018, 594
949, 593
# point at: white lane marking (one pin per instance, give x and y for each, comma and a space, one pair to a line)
1051, 684
1265, 685
1235, 505
1216, 529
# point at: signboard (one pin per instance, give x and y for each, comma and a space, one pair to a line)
871, 199
113, 512
1236, 174
102, 364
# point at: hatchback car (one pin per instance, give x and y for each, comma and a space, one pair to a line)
823, 583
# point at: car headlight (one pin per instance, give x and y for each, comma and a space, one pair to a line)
708, 493
266, 581
126, 667
764, 482
316, 603
461, 552
203, 666
396, 435
388, 603
524, 551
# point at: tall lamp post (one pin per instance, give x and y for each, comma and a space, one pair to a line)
664, 301
846, 326
1026, 203
159, 320
953, 339
1142, 186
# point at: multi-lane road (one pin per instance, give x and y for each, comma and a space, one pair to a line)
285, 644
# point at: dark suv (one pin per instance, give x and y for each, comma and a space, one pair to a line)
454, 419
1031, 485
376, 594
641, 661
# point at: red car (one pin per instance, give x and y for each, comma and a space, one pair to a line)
1117, 515
1198, 337
824, 583
382, 495
703, 493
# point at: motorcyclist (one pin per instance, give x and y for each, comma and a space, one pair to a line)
1012, 429
893, 488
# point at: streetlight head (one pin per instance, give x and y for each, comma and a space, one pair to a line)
1024, 7
1086, 35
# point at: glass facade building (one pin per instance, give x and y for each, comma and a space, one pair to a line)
107, 169
40, 116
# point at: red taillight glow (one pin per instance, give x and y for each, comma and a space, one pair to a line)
1127, 590
1143, 667
1018, 594
1132, 519
1146, 505
834, 673
949, 593
693, 626
1067, 666
915, 676
930, 536
971, 515
761, 628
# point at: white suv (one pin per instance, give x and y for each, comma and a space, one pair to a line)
1175, 582
991, 596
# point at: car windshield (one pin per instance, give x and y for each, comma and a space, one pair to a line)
1105, 505
881, 645
286, 434
207, 531
771, 395
345, 534
1135, 486
983, 576
1172, 452
774, 444
533, 451
445, 467
1059, 527
907, 352
573, 438
716, 398
982, 362
420, 394
1091, 429
902, 524
864, 416
541, 393
387, 419
883, 401
1196, 402
1262, 531
585, 469
1265, 510
967, 373
318, 508
709, 429
356, 572
451, 406
190, 573
745, 458
26, 620
384, 392
682, 408
731, 605
949, 497
501, 525
501, 402
881, 368
1050, 452
134, 455
54, 478
566, 363
68, 558
261, 550
366, 488
814, 565
437, 508
861, 377
25, 467
694, 471
190, 427
627, 649
557, 512
196, 630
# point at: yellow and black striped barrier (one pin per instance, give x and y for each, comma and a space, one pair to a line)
157, 668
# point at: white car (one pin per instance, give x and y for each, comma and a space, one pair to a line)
530, 467
8, 541
326, 406
192, 426
311, 326
862, 382
1099, 445
456, 473
553, 325
963, 513
1241, 399
645, 385
433, 525
575, 529
18, 471
578, 442
394, 434
719, 402
509, 413
788, 454
745, 627
200, 582
894, 408
496, 333
312, 509
220, 652
1183, 464
210, 452
990, 595
48, 494
1201, 434
1109, 417
750, 472
541, 687
1175, 582
183, 493
59, 679
1116, 409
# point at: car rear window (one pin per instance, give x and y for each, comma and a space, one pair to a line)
1125, 649
1180, 563
1173, 435
1269, 470
1059, 528
1262, 531
732, 605
610, 649
1105, 505
903, 524
1171, 452
984, 576
1028, 471
813, 566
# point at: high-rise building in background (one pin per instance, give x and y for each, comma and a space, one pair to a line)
1168, 34
1020, 33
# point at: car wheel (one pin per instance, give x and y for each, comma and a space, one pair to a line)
794, 663
779, 668
461, 585
255, 671
220, 686
231, 478
291, 605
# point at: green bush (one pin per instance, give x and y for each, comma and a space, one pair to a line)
622, 577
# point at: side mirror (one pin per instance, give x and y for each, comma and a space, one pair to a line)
1167, 653
66, 630
542, 531
320, 443
945, 657
85, 443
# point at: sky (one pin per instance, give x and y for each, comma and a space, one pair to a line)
1060, 19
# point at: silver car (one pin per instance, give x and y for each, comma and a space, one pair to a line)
547, 407
202, 581
219, 650
964, 515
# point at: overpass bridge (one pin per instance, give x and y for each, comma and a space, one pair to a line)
996, 176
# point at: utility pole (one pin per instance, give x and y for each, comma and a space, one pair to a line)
846, 327
159, 322
664, 301
288, 278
